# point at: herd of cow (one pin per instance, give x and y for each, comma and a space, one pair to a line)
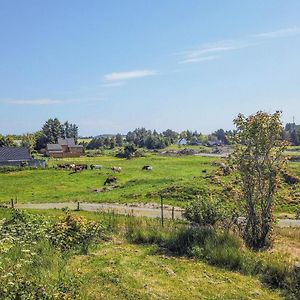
81, 167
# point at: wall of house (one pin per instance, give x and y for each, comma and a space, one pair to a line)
11, 163
55, 154
76, 150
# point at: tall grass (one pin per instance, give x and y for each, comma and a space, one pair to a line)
219, 249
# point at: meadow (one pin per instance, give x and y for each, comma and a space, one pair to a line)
178, 179
127, 263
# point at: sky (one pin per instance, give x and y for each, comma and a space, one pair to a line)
112, 66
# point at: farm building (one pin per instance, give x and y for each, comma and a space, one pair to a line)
182, 142
64, 148
18, 156
14, 156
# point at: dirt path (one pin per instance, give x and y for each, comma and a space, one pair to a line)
150, 210
146, 210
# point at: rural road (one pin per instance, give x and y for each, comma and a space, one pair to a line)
150, 210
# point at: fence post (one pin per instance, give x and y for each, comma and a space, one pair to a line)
173, 213
162, 210
12, 203
78, 208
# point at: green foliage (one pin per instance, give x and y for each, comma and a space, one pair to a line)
258, 158
6, 141
205, 211
9, 169
74, 232
220, 249
26, 257
28, 141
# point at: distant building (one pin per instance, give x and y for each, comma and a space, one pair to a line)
18, 156
182, 142
214, 143
64, 148
14, 156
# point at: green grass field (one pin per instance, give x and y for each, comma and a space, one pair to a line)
59, 185
118, 269
181, 178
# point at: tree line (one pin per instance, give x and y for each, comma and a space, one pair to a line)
53, 129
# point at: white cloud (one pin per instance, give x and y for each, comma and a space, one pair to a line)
31, 101
118, 76
286, 32
198, 59
203, 52
212, 51
113, 84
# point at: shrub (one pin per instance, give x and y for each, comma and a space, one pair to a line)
205, 211
74, 232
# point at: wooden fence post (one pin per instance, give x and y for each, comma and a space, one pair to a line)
12, 203
78, 208
173, 213
162, 210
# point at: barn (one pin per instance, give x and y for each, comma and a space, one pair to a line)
64, 148
14, 156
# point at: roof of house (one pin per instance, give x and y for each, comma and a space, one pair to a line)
62, 142
75, 146
66, 142
54, 147
14, 154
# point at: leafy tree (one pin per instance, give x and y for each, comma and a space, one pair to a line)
220, 134
106, 142
28, 141
112, 142
96, 143
203, 139
52, 130
119, 140
6, 141
73, 132
171, 135
258, 158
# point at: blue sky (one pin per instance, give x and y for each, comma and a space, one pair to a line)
112, 66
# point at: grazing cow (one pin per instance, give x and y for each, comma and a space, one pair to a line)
116, 169
147, 168
78, 168
110, 180
95, 167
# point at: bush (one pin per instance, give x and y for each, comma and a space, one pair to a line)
205, 211
74, 232
8, 169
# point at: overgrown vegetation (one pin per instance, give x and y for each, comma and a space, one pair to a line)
34, 254
33, 248
259, 160
220, 249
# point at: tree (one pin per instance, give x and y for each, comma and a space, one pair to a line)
112, 142
171, 135
29, 141
52, 130
258, 158
6, 141
119, 140
73, 132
